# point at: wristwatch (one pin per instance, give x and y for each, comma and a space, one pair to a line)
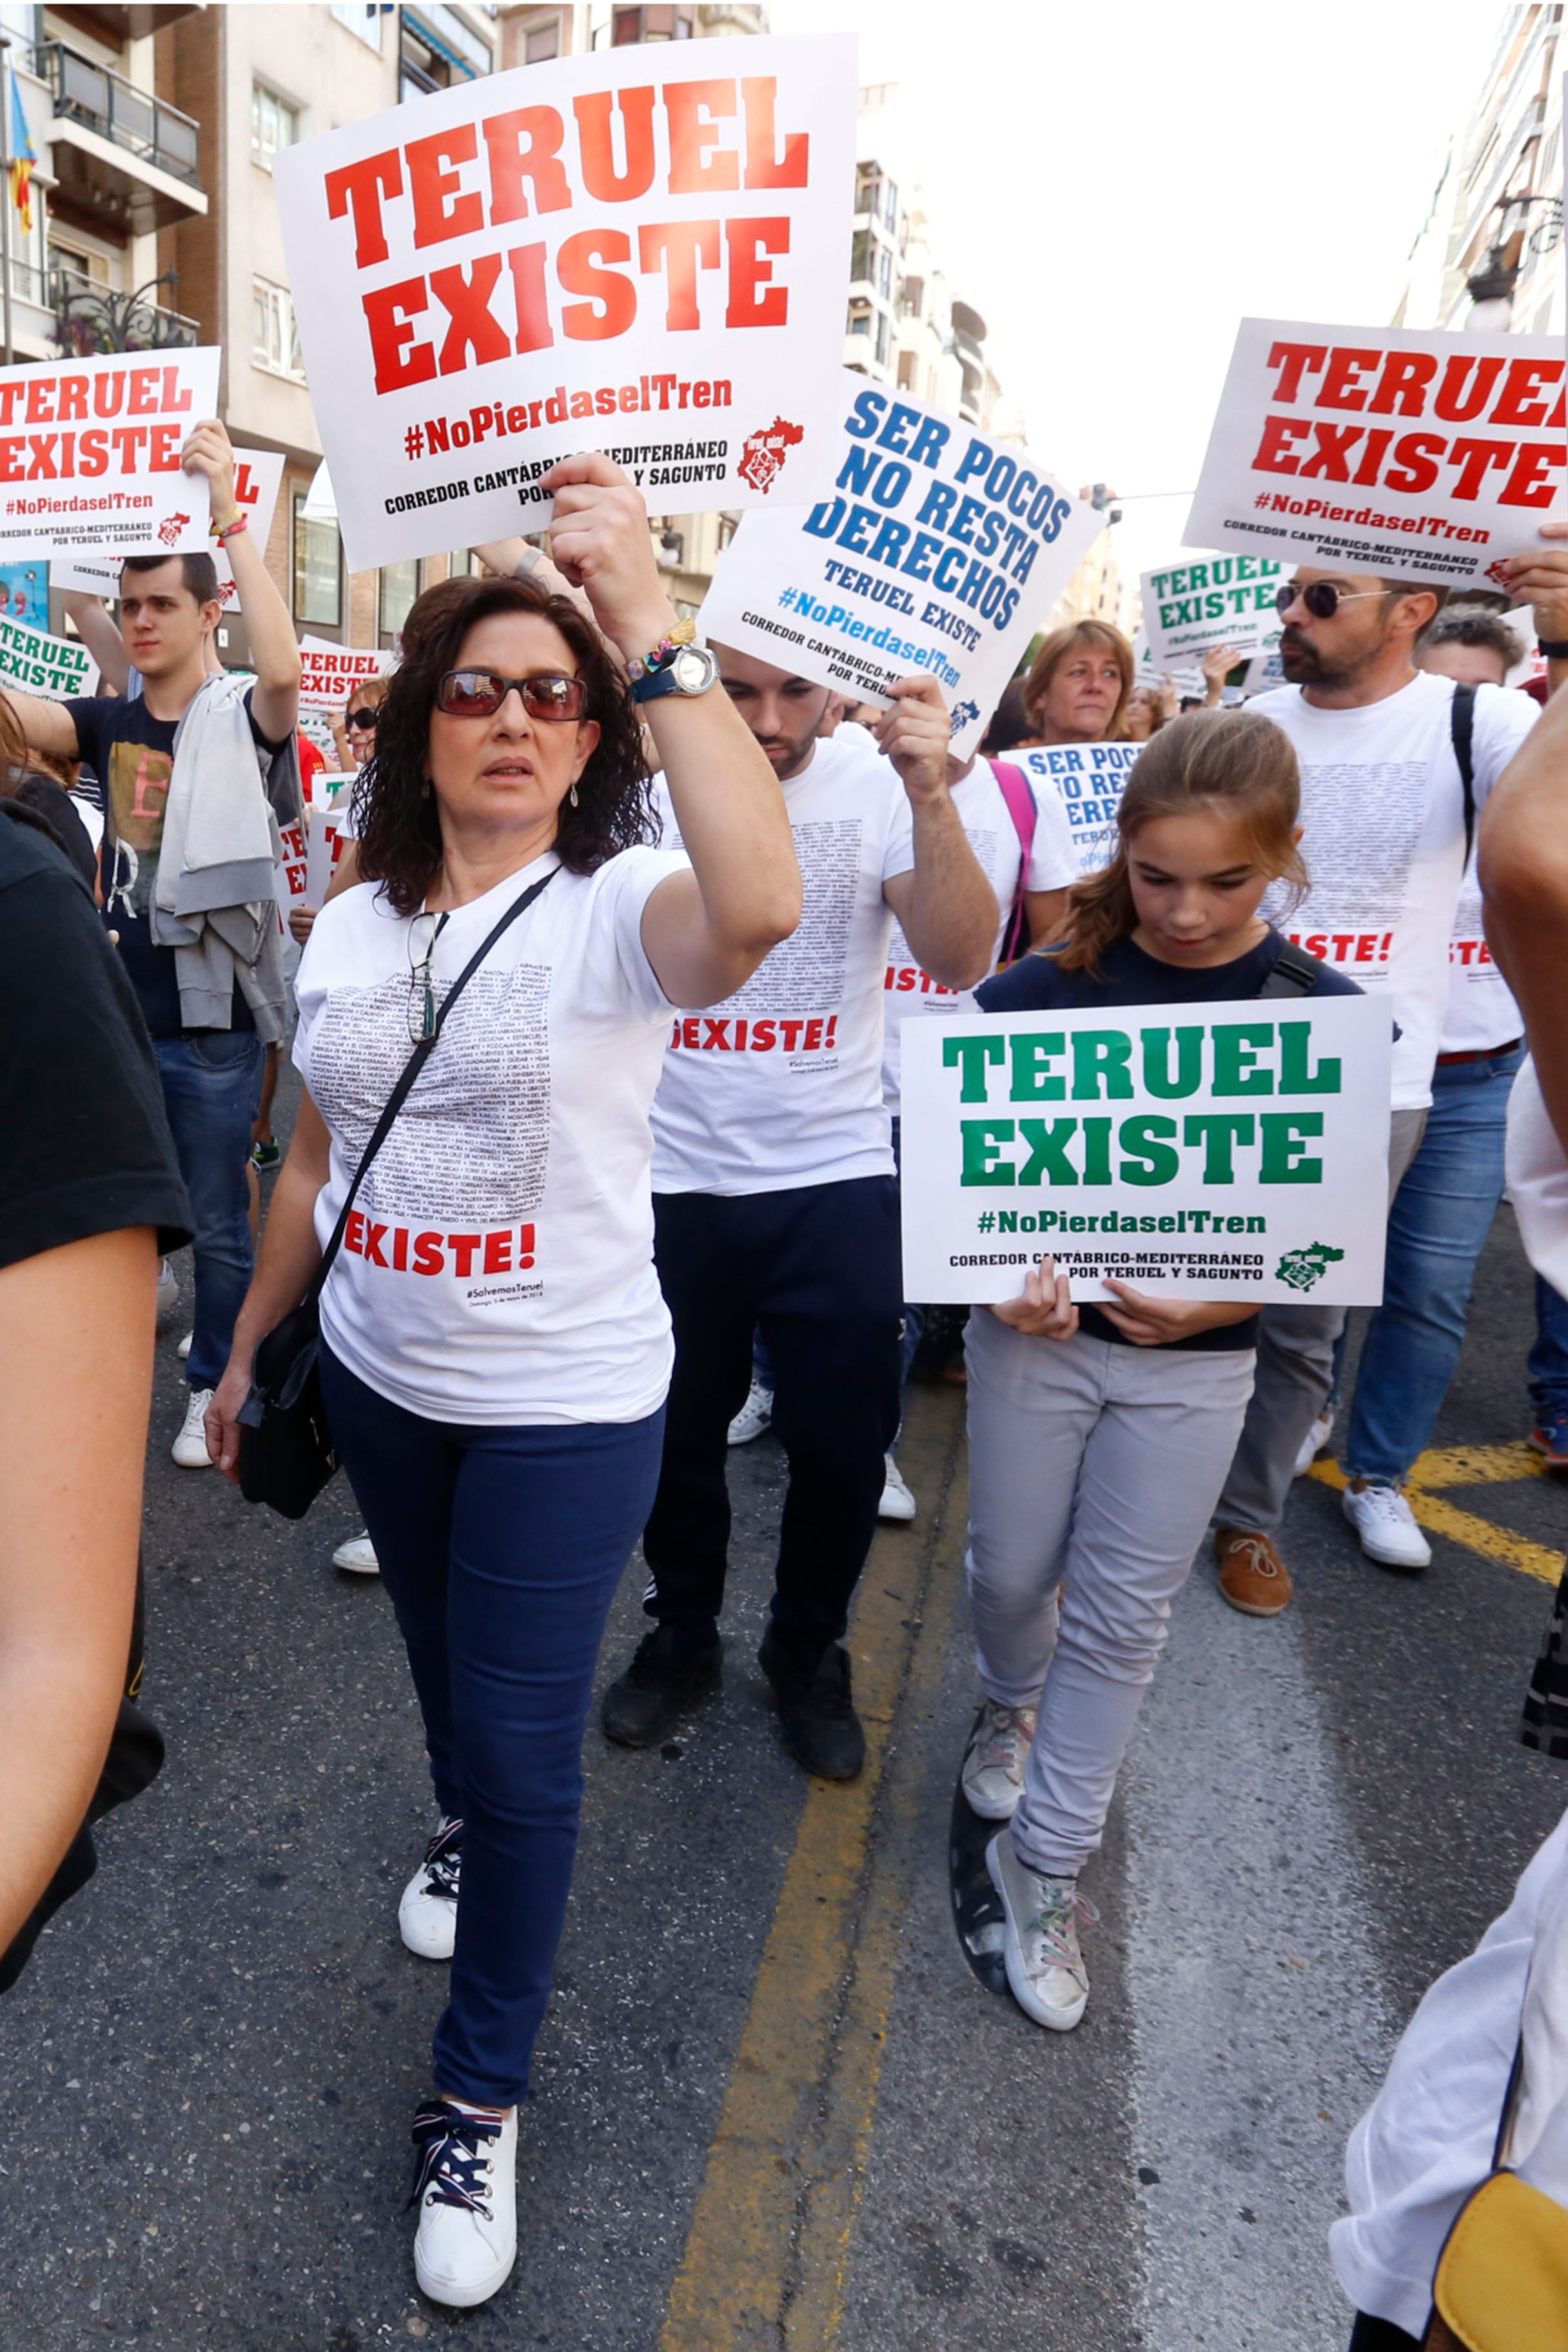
691, 669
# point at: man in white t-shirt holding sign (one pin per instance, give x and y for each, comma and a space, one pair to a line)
775, 1207
1385, 843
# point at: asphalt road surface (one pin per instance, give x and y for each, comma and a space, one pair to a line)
772, 2106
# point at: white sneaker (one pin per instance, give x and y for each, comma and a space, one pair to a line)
1386, 1526
168, 1284
1046, 1973
995, 1758
428, 1915
190, 1448
1313, 1444
755, 1416
183, 1350
466, 2190
897, 1501
358, 1555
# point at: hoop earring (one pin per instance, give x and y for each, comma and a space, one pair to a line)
572, 795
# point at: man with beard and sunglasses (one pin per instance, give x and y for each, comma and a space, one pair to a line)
1389, 823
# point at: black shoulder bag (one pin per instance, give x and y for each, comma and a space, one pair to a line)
286, 1449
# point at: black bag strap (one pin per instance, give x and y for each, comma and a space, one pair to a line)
405, 1086
1462, 727
1295, 974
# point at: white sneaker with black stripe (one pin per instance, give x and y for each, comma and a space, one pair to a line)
428, 1915
465, 2184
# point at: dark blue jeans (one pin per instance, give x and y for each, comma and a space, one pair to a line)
502, 1549
1549, 1357
212, 1084
1437, 1229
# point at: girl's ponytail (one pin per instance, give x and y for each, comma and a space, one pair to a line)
1236, 762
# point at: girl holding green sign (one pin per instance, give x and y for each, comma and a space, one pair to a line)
1100, 1437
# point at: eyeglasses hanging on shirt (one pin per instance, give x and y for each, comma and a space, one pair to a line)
421, 983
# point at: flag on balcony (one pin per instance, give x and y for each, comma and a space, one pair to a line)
23, 159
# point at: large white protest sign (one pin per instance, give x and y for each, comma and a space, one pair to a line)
329, 673
89, 453
642, 250
1193, 607
937, 550
257, 477
39, 664
1214, 1151
1090, 778
1390, 449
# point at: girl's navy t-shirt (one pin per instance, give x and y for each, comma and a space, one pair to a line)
1037, 984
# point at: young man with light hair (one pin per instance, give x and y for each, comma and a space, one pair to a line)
188, 860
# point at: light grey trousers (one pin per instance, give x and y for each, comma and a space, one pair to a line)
1092, 1472
1295, 1373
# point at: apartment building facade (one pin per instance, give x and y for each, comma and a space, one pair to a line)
1489, 252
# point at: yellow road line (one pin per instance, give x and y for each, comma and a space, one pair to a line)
768, 2248
1441, 1518
1476, 1466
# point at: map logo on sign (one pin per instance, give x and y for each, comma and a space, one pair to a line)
764, 457
1301, 1268
170, 526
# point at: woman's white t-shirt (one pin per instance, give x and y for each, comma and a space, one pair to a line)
781, 1083
991, 832
498, 1267
1382, 810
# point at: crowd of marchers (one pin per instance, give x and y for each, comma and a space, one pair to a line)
556, 1263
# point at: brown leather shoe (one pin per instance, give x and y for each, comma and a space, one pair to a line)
1252, 1576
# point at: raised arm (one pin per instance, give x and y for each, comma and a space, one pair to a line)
47, 726
946, 907
1524, 888
274, 653
96, 628
706, 931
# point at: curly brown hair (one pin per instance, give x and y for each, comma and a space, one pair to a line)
1237, 762
398, 821
1060, 646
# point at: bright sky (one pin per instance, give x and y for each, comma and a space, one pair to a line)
1114, 187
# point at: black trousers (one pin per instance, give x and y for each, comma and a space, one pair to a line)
1380, 2336
818, 1270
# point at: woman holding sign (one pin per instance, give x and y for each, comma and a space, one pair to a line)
495, 1349
1100, 1437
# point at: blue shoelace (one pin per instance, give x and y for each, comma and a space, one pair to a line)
451, 2151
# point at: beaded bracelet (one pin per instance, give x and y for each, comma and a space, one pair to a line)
664, 652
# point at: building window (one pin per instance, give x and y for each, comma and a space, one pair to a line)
883, 340
399, 587
906, 371
274, 123
364, 22
885, 272
276, 335
666, 24
861, 256
541, 42
461, 563
318, 568
859, 317
867, 179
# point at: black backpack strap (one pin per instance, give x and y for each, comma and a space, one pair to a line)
1462, 727
412, 1067
1295, 974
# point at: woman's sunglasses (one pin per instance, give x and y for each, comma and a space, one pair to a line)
1320, 597
364, 719
480, 693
